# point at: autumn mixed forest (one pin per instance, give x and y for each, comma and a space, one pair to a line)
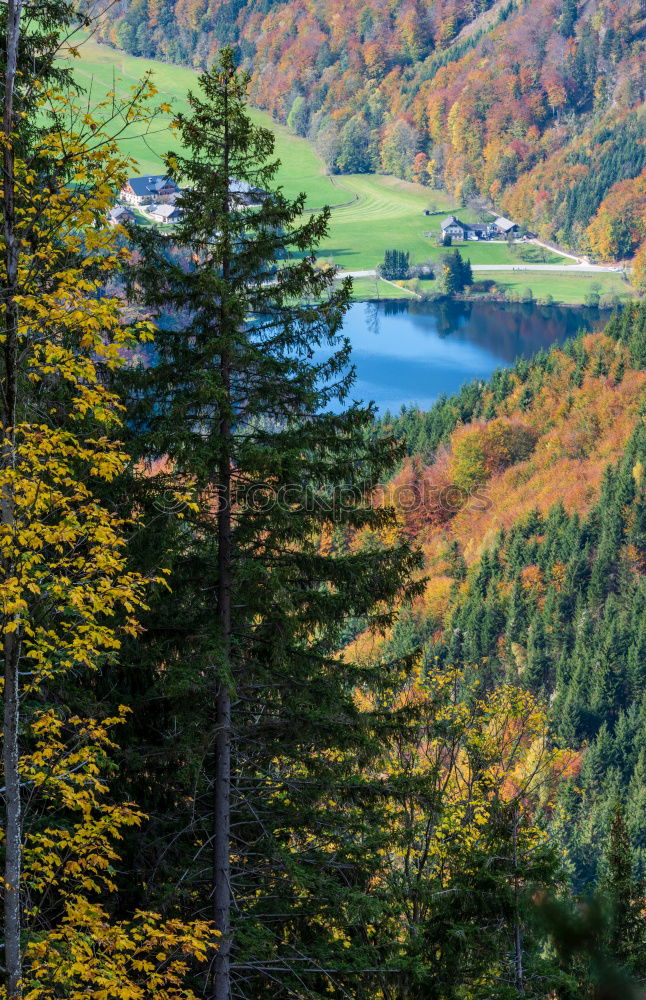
300, 699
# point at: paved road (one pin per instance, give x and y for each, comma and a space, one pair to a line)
559, 250
555, 268
558, 268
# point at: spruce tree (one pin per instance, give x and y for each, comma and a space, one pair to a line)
626, 939
538, 662
267, 749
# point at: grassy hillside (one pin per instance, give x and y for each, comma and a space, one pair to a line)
370, 213
537, 106
389, 213
101, 69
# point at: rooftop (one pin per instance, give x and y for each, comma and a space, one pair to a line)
502, 223
164, 211
451, 221
150, 185
117, 211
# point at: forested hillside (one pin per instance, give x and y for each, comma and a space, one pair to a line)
527, 496
296, 702
534, 106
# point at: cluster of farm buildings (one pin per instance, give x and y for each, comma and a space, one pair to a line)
157, 196
499, 228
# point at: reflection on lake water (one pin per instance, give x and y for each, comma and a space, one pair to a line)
412, 352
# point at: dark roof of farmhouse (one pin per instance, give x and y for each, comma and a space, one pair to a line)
150, 185
452, 221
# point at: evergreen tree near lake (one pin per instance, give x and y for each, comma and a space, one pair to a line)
456, 272
357, 819
267, 751
396, 265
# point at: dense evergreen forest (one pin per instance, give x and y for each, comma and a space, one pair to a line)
296, 702
534, 107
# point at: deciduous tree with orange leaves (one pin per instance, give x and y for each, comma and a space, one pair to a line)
619, 227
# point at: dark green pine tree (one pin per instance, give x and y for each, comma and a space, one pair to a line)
256, 750
493, 620
636, 660
455, 272
626, 936
516, 615
537, 674
456, 561
636, 804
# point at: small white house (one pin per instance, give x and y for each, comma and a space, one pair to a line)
454, 228
463, 230
165, 213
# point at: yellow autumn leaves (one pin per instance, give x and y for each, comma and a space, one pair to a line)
66, 592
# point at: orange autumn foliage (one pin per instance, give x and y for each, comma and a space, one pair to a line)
619, 226
555, 450
511, 96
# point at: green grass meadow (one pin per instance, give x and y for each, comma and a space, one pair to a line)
376, 288
570, 290
101, 69
388, 213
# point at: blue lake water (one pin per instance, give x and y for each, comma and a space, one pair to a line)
409, 353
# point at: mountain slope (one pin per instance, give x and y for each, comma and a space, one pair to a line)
528, 498
536, 106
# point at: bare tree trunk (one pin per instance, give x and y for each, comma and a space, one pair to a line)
221, 848
222, 741
12, 823
221, 888
519, 976
11, 640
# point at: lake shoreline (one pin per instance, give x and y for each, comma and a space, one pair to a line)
499, 299
409, 352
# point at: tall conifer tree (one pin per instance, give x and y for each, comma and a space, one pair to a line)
626, 937
244, 401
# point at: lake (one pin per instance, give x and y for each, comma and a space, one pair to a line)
412, 352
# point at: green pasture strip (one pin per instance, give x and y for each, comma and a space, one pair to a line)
371, 213
375, 288
570, 289
388, 214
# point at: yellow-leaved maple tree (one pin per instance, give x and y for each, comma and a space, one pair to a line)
66, 593
468, 776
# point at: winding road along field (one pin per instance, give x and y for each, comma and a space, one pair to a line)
388, 213
548, 268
